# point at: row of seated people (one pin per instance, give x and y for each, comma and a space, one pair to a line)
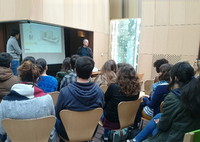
81, 95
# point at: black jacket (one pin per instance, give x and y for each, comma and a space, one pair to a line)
89, 51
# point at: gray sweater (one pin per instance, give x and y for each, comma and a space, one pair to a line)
12, 46
31, 108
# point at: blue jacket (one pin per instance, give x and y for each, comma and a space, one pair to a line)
157, 98
79, 97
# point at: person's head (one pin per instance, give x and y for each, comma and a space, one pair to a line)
14, 33
119, 65
158, 63
66, 64
28, 72
5, 60
84, 66
41, 64
109, 69
85, 42
29, 58
73, 60
183, 74
196, 67
128, 80
165, 72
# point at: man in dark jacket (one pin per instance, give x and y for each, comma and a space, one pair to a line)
85, 50
80, 95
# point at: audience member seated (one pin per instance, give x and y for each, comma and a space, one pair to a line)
126, 88
157, 65
108, 74
80, 95
7, 78
46, 82
119, 65
29, 58
181, 113
196, 67
157, 95
65, 70
26, 100
72, 77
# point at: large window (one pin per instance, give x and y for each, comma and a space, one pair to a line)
125, 39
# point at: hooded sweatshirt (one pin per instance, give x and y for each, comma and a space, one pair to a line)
26, 101
7, 80
79, 97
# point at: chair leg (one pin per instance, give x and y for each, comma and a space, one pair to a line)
141, 124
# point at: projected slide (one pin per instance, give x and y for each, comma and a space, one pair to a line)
40, 38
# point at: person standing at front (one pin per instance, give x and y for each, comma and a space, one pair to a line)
14, 50
85, 50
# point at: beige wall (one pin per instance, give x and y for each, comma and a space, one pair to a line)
170, 29
89, 15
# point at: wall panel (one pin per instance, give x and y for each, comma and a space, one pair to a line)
148, 12
177, 12
162, 12
68, 14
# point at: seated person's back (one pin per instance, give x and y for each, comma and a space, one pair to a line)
46, 82
26, 100
81, 95
72, 77
7, 78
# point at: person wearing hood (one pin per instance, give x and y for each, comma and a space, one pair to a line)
7, 78
81, 95
26, 100
181, 113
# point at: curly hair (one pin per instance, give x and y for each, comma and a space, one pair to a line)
158, 63
128, 80
28, 72
165, 69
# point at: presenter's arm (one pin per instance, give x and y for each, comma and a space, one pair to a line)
17, 48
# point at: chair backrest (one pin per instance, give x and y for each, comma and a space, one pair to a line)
127, 112
148, 86
140, 76
93, 78
193, 136
104, 88
141, 82
80, 126
54, 96
161, 105
29, 130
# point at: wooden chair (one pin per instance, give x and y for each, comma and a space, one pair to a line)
140, 76
193, 136
54, 96
29, 130
141, 83
127, 112
80, 126
104, 88
93, 78
161, 105
148, 86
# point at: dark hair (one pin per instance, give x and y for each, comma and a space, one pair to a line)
165, 69
28, 72
41, 64
119, 65
29, 58
84, 66
5, 59
14, 32
128, 80
158, 63
188, 85
73, 60
66, 65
